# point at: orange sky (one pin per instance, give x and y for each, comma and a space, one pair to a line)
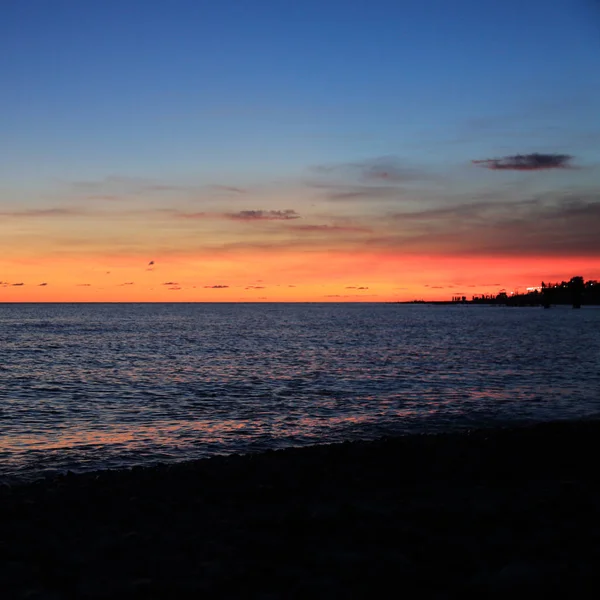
364, 231
289, 276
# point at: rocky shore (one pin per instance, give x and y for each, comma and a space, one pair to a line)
478, 514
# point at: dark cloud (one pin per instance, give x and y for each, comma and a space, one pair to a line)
174, 288
264, 215
216, 287
126, 283
255, 287
18, 284
150, 263
526, 162
42, 284
170, 283
354, 287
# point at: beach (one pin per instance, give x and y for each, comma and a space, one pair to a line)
480, 513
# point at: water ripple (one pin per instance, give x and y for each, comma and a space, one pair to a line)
101, 386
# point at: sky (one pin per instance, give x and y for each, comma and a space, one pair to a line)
268, 150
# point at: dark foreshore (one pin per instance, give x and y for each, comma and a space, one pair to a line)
476, 514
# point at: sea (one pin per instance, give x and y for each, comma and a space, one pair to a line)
103, 386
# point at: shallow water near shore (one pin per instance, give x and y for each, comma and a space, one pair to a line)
92, 386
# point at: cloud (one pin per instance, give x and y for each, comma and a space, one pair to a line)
383, 178
383, 169
194, 215
43, 212
362, 192
216, 287
174, 288
115, 187
126, 283
229, 188
255, 287
170, 283
554, 224
264, 215
330, 228
121, 184
42, 284
84, 285
354, 287
18, 284
150, 263
526, 162
104, 197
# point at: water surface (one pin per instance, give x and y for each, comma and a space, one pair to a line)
87, 386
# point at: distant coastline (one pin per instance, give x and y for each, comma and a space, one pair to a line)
576, 292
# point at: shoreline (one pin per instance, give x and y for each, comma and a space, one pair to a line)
478, 512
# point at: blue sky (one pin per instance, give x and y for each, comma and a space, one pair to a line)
268, 88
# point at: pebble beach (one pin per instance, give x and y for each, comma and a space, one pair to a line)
482, 513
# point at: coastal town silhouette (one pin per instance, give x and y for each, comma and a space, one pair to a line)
576, 292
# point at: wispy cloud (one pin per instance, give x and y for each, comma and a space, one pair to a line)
359, 192
193, 215
552, 225
383, 178
115, 187
44, 212
526, 162
42, 284
384, 169
264, 215
229, 188
18, 284
330, 228
170, 283
216, 287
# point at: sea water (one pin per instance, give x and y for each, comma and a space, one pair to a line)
91, 386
